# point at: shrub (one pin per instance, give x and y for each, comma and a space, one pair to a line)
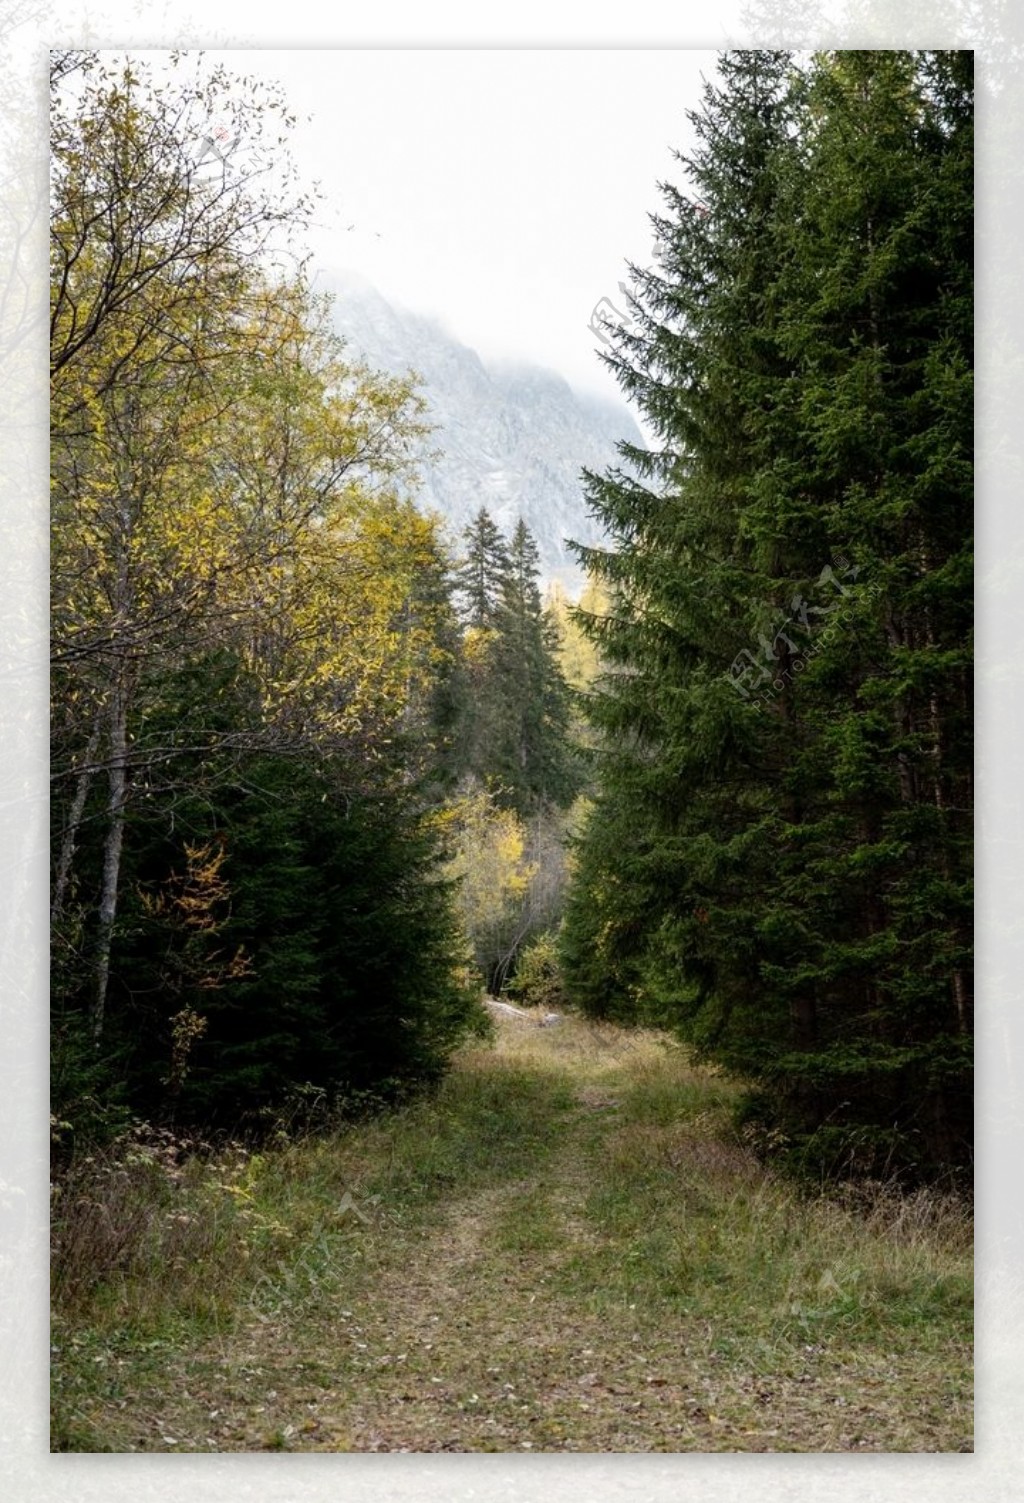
538, 978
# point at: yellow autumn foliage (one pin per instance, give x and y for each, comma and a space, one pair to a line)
494, 874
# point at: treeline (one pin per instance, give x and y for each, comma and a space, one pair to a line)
778, 862
267, 678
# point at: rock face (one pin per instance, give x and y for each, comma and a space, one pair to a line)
513, 437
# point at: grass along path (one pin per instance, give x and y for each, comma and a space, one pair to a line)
565, 1250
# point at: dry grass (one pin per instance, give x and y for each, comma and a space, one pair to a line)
566, 1249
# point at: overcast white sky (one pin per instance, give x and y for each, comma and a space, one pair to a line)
501, 191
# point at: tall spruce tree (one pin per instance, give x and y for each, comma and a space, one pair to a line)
481, 571
678, 790
514, 734
778, 859
877, 290
534, 755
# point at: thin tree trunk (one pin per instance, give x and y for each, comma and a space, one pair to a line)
69, 839
116, 801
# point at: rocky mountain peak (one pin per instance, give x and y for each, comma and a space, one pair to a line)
512, 436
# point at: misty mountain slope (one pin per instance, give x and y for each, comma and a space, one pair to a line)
513, 437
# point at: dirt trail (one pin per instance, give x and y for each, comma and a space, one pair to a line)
620, 1277
466, 1338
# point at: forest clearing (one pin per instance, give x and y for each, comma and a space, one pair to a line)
567, 1249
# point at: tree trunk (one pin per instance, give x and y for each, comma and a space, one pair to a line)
67, 845
116, 801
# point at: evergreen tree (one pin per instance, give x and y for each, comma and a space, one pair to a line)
877, 287
678, 753
514, 736
534, 760
481, 572
777, 859
437, 690
293, 931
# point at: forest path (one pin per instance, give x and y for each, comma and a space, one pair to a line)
474, 1330
567, 1249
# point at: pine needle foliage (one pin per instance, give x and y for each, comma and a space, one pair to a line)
778, 860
